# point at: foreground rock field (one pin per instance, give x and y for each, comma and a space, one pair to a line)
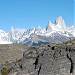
54, 59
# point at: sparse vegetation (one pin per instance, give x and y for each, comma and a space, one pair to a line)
70, 42
5, 71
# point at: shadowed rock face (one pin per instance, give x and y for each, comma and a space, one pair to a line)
45, 60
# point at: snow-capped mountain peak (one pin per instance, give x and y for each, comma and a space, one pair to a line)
60, 22
58, 26
54, 33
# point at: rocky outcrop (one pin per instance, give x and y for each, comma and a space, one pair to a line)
45, 60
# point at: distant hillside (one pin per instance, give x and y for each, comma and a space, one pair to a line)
71, 41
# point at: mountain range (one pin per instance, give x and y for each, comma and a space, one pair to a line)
57, 32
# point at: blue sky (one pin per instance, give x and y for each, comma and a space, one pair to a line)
34, 13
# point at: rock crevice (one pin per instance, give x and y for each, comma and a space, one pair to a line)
72, 64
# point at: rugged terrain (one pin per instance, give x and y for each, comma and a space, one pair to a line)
51, 59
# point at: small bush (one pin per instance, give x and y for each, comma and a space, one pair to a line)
5, 71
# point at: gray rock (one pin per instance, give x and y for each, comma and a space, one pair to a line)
46, 60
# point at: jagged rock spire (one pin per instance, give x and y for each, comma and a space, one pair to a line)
48, 28
60, 21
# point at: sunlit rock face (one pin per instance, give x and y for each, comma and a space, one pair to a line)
60, 21
50, 26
